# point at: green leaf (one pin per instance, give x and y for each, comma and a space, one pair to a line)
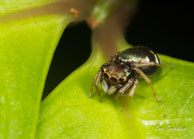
26, 50
174, 117
9, 6
68, 113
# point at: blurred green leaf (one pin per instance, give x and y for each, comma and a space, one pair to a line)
68, 113
8, 6
26, 50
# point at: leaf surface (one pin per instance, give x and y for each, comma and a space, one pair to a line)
68, 113
26, 50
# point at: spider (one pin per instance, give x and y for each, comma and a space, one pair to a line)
122, 73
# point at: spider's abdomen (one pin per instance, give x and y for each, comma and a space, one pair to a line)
140, 55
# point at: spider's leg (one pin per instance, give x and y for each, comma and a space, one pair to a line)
95, 83
125, 88
140, 72
130, 94
138, 65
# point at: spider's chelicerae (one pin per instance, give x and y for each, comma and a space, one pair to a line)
121, 74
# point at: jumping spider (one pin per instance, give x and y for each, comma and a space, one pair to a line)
121, 74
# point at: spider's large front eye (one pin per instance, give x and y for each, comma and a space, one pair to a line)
121, 79
106, 75
114, 80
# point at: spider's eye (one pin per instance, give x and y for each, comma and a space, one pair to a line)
106, 75
121, 79
114, 80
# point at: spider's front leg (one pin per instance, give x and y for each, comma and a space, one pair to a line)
125, 88
130, 93
95, 83
129, 89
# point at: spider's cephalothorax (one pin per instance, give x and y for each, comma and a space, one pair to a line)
121, 74
114, 76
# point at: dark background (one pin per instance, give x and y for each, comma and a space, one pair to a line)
166, 28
